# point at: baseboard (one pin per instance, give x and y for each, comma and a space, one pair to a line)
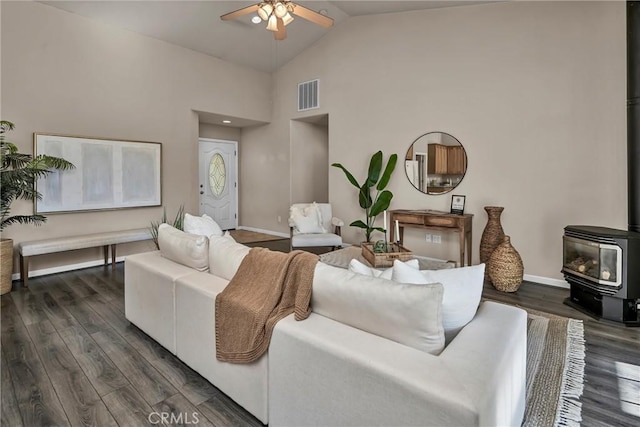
260, 230
431, 258
67, 267
547, 281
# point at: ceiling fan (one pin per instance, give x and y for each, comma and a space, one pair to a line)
278, 14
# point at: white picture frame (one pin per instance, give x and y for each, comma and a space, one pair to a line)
108, 174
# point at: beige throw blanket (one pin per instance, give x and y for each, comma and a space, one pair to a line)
267, 287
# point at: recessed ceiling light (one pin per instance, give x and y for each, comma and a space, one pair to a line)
256, 19
226, 121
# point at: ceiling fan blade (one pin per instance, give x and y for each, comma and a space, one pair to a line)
281, 34
312, 16
240, 12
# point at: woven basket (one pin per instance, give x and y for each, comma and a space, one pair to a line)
6, 265
385, 259
505, 267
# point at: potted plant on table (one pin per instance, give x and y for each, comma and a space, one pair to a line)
18, 175
377, 180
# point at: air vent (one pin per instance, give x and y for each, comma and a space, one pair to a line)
308, 96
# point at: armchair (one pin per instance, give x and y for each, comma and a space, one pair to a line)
313, 225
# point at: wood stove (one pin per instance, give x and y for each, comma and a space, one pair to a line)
602, 266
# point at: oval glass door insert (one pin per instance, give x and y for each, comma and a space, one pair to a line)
217, 174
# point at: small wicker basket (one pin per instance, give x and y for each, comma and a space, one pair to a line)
6, 265
505, 267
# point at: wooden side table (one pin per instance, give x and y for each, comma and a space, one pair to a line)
436, 221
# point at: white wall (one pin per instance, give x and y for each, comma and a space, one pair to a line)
62, 73
535, 91
208, 130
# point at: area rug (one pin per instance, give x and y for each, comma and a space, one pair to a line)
555, 370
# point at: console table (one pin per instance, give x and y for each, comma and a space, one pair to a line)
437, 221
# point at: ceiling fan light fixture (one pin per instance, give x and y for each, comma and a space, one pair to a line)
280, 10
278, 14
272, 24
264, 11
287, 19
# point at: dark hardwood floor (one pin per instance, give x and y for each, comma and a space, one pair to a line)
612, 373
69, 357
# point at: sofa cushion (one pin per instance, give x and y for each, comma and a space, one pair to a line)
196, 344
462, 292
360, 268
201, 225
149, 294
404, 313
225, 255
184, 248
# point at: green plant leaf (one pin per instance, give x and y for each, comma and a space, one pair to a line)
23, 219
153, 229
375, 166
364, 197
19, 172
386, 175
358, 223
49, 162
381, 204
350, 177
5, 126
178, 222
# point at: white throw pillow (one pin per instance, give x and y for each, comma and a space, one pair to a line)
184, 248
307, 224
307, 220
360, 268
462, 292
225, 255
407, 314
202, 225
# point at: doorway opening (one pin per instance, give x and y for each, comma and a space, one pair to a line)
310, 159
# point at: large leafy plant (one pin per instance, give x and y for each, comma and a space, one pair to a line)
372, 196
18, 177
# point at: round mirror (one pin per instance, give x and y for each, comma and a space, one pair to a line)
436, 163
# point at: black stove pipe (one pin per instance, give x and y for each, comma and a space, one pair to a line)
633, 113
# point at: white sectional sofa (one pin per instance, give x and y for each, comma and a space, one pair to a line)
322, 371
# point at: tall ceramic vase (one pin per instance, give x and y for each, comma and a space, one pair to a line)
492, 235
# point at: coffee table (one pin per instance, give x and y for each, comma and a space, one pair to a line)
342, 257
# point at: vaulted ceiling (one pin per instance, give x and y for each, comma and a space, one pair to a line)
196, 25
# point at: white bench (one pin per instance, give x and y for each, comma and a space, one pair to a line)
62, 244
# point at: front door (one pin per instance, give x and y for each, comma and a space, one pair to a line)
218, 185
